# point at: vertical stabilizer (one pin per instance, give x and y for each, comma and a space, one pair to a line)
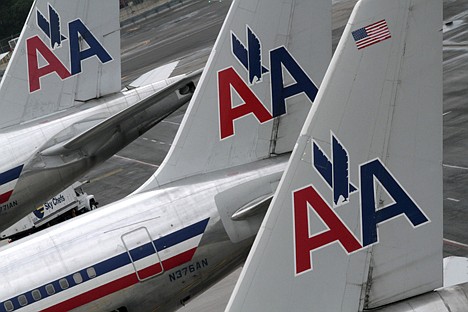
257, 88
68, 51
356, 222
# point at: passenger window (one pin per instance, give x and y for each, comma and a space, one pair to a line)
64, 283
8, 306
91, 272
50, 289
77, 278
36, 294
22, 300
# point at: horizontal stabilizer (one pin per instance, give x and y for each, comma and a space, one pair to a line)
256, 206
153, 76
455, 271
447, 299
132, 121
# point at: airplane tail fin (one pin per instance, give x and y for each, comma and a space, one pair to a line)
68, 52
256, 90
356, 222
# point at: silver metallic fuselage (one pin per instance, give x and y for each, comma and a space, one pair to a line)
44, 175
449, 299
92, 238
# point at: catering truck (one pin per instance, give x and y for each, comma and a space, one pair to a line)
69, 203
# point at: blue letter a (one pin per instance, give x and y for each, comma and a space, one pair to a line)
403, 203
95, 48
278, 58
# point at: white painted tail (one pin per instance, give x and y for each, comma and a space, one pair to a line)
68, 52
256, 90
356, 222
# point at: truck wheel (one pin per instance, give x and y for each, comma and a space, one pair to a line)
93, 204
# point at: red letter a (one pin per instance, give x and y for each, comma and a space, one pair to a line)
305, 244
227, 114
33, 46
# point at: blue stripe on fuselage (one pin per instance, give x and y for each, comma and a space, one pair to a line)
115, 262
10, 175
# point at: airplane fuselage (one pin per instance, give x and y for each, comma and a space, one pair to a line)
151, 251
29, 175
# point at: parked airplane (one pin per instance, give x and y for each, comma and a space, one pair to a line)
62, 108
194, 220
356, 222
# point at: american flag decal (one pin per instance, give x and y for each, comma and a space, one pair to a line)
371, 34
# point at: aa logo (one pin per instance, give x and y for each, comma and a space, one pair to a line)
79, 36
249, 55
334, 171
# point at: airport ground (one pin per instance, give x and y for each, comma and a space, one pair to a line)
187, 33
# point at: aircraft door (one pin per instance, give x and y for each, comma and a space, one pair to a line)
142, 253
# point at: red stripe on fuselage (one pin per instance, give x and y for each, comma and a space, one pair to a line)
5, 197
121, 283
150, 271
